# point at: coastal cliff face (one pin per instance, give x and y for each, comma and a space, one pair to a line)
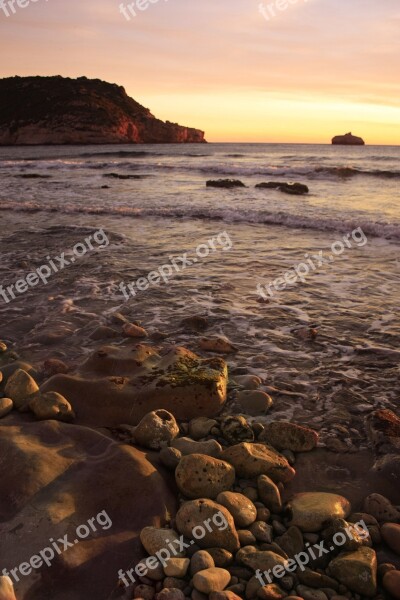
58, 110
348, 140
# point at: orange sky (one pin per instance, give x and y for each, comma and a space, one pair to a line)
314, 70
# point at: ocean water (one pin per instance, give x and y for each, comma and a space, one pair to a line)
53, 198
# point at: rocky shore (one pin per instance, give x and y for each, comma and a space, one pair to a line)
167, 442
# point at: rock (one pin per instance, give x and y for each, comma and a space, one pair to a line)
146, 592
291, 541
356, 570
222, 558
177, 567
391, 583
195, 323
252, 460
236, 429
254, 402
54, 366
348, 140
201, 427
289, 436
201, 476
170, 457
51, 405
187, 446
6, 406
383, 430
391, 535
155, 539
103, 333
92, 112
381, 508
225, 595
348, 536
121, 385
3, 347
134, 331
389, 466
211, 580
217, 344
269, 494
241, 508
193, 514
170, 594
264, 560
246, 538
63, 475
309, 594
248, 382
310, 510
272, 591
317, 580
224, 183
262, 532
296, 189
6, 589
200, 561
156, 429
20, 387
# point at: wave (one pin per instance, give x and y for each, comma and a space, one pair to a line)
389, 231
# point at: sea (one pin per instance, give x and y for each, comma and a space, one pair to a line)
326, 344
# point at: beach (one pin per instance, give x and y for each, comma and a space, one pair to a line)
324, 343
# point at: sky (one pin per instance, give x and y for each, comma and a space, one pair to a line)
300, 71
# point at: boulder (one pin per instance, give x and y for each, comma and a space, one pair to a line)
201, 476
211, 580
177, 567
156, 429
121, 385
381, 508
347, 140
194, 513
283, 435
310, 510
357, 571
241, 508
201, 560
252, 460
201, 427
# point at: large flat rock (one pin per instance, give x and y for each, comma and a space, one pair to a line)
120, 385
54, 478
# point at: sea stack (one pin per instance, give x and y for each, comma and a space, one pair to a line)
348, 140
60, 110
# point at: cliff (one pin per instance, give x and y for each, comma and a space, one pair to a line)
348, 140
59, 110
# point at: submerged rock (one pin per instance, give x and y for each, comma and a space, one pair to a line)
201, 476
217, 344
121, 385
252, 460
296, 189
156, 429
224, 183
310, 510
